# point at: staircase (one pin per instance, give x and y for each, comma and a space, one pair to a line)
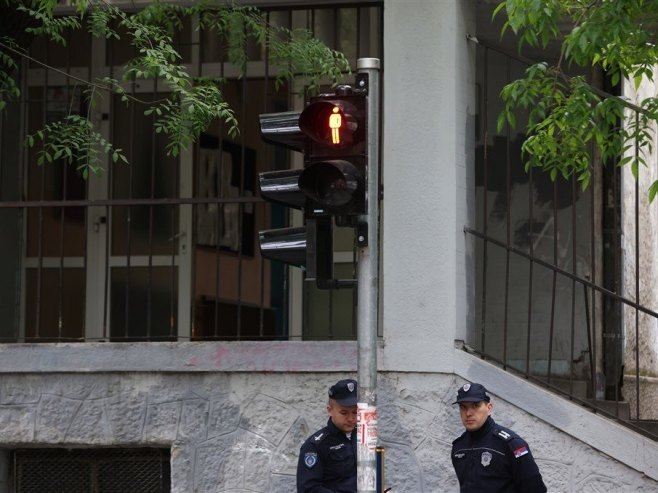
579, 391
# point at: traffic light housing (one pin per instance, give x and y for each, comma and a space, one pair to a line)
334, 173
331, 132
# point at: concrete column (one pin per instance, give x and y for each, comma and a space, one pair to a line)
640, 277
429, 108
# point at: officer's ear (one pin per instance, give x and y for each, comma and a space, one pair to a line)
490, 407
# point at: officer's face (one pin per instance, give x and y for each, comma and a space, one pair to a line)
474, 414
344, 417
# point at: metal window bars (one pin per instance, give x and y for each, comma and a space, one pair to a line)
163, 248
565, 289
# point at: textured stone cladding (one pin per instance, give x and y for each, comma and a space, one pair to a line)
241, 432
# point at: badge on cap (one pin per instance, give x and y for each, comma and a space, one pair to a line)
350, 386
485, 459
466, 387
310, 459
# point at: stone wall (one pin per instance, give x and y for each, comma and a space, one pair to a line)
241, 431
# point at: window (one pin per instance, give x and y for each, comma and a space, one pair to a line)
164, 248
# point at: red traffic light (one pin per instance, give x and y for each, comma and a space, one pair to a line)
333, 178
333, 123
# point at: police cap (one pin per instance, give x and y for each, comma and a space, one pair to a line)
472, 392
344, 392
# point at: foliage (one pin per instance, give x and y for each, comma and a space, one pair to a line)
8, 87
73, 139
567, 116
192, 103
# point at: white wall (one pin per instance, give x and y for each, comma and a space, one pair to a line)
428, 112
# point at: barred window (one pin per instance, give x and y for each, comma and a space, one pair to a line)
163, 248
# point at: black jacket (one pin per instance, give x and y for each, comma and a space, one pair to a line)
494, 459
327, 462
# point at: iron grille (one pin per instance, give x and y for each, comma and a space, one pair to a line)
91, 470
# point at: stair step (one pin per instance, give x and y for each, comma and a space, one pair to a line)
621, 409
576, 388
650, 426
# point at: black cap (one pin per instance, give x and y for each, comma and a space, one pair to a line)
472, 392
344, 392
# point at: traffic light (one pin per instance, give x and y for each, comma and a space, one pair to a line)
331, 132
333, 179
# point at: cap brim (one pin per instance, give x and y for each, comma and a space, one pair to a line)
350, 401
470, 399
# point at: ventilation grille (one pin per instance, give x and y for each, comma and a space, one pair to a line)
91, 470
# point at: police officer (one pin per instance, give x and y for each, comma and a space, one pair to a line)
487, 457
327, 459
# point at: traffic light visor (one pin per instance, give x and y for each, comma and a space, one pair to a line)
286, 245
282, 187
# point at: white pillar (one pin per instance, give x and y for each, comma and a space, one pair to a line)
429, 110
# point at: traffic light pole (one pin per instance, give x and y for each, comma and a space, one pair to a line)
368, 293
339, 135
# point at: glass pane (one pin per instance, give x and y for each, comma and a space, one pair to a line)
343, 239
10, 255
330, 314
347, 19
54, 231
370, 33
76, 52
144, 230
58, 295
324, 26
144, 303
150, 174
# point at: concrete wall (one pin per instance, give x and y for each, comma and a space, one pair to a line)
232, 431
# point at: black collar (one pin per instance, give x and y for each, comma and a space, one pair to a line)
333, 429
483, 430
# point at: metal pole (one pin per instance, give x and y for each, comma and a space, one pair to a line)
368, 295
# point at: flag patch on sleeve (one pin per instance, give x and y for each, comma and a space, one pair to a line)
520, 452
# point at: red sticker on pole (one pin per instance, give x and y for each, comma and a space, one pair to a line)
366, 426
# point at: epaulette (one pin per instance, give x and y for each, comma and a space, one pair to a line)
504, 435
516, 444
321, 435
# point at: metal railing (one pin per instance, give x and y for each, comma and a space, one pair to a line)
565, 295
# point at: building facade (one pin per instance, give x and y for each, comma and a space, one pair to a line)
148, 339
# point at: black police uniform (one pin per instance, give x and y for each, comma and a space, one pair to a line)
327, 462
327, 459
494, 459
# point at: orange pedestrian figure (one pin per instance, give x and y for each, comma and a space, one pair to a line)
335, 121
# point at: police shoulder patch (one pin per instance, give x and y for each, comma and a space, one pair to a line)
310, 459
521, 451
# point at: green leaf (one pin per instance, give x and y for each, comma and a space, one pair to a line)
653, 189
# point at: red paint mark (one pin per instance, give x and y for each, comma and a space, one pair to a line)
219, 355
